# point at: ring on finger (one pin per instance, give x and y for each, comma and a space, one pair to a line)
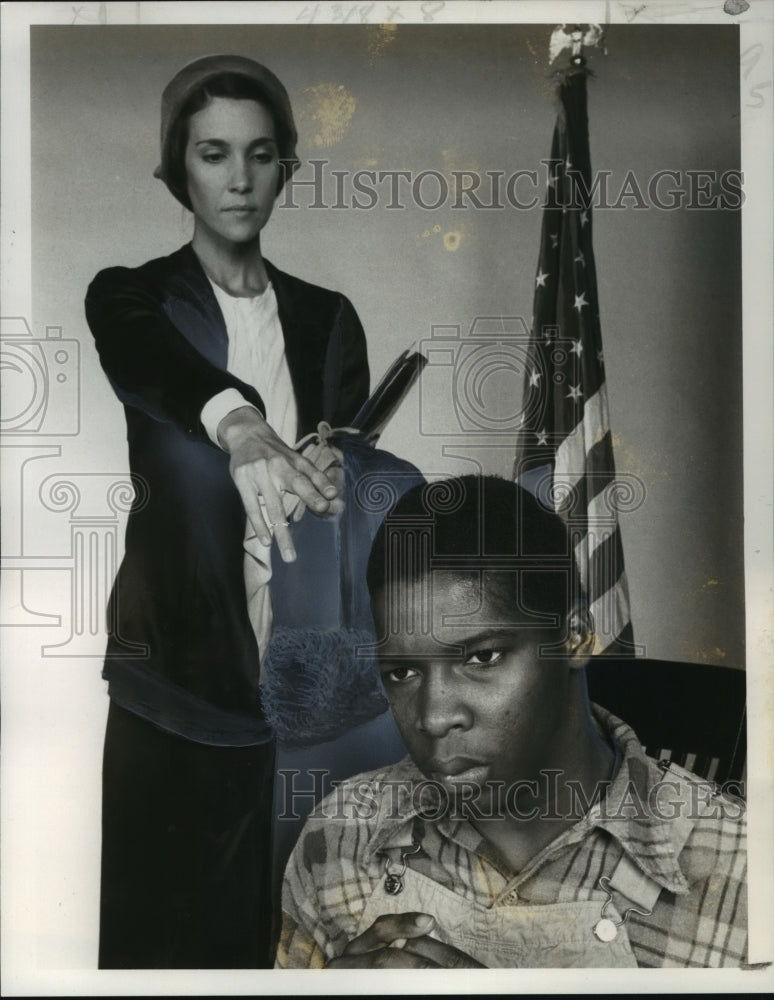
278, 524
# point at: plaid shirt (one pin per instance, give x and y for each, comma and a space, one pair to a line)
699, 919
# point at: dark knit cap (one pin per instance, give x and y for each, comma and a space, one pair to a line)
197, 73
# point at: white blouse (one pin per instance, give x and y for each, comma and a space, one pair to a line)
256, 355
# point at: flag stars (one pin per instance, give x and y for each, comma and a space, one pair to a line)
584, 218
534, 379
575, 393
577, 348
554, 237
601, 357
580, 259
580, 301
540, 278
542, 437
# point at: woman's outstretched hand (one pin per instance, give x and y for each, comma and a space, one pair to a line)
263, 467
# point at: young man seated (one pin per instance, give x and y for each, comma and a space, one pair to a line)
527, 828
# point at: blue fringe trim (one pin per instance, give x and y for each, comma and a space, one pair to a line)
315, 688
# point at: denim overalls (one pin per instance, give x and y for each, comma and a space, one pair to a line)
583, 934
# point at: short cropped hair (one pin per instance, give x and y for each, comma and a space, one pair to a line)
477, 524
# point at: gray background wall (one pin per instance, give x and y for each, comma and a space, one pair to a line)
448, 97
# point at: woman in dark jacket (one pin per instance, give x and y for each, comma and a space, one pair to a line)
222, 362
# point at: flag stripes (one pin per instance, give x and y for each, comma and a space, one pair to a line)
565, 454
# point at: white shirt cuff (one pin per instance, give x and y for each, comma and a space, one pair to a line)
215, 409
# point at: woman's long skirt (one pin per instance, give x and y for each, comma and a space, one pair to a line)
186, 851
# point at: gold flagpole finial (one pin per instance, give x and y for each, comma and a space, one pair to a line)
575, 37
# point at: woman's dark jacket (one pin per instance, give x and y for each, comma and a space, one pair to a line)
181, 651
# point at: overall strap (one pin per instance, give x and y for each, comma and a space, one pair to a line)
629, 880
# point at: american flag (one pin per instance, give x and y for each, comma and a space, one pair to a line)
565, 455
